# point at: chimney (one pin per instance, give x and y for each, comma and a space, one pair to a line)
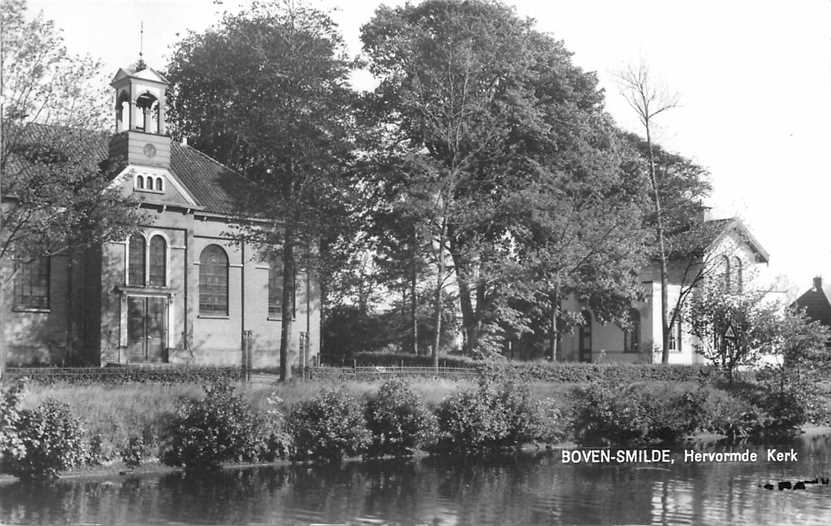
818, 283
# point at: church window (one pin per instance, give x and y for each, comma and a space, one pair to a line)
140, 182
158, 261
737, 275
147, 114
137, 251
31, 284
725, 263
213, 281
275, 291
159, 184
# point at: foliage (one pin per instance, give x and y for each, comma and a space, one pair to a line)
219, 428
52, 439
11, 445
398, 420
277, 442
730, 415
618, 414
328, 427
499, 414
132, 452
754, 322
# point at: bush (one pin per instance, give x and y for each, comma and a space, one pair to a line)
729, 415
499, 414
276, 441
613, 414
205, 433
52, 441
132, 452
398, 420
11, 446
328, 427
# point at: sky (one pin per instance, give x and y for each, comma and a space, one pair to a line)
753, 79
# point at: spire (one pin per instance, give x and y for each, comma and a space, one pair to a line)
140, 65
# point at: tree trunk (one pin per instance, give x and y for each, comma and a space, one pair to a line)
468, 321
439, 285
414, 293
662, 251
287, 304
555, 330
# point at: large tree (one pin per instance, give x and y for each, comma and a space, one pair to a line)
487, 103
265, 92
55, 196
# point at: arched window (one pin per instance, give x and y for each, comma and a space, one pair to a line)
632, 333
147, 113
140, 182
159, 184
158, 261
738, 279
122, 112
136, 257
213, 281
725, 263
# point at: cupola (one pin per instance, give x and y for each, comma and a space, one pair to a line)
141, 133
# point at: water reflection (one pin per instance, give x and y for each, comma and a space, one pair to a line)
528, 489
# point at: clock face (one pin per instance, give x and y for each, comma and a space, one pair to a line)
149, 150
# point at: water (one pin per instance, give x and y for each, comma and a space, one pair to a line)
526, 489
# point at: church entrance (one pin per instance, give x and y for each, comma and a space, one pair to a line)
146, 329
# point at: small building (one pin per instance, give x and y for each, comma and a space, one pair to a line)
729, 254
815, 304
184, 290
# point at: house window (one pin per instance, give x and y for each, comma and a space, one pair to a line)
213, 281
585, 337
275, 292
675, 334
725, 263
136, 261
31, 284
737, 273
158, 261
632, 334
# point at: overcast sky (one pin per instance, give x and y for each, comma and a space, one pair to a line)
753, 79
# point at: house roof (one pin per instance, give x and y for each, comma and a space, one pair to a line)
215, 186
815, 303
706, 236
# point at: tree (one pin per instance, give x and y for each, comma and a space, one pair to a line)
56, 197
733, 329
480, 101
265, 92
641, 94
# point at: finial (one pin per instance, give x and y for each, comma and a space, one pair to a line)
141, 65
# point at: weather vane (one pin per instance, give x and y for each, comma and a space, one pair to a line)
141, 64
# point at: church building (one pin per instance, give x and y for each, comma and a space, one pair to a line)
184, 289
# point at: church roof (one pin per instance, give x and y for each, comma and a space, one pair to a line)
215, 186
706, 236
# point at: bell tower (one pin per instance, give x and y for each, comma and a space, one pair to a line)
141, 135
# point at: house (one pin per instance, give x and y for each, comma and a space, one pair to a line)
729, 254
815, 304
183, 290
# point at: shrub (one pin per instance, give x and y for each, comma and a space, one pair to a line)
613, 414
219, 428
52, 440
606, 414
328, 427
729, 415
276, 441
397, 419
132, 452
11, 446
499, 414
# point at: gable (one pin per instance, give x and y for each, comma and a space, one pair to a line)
157, 186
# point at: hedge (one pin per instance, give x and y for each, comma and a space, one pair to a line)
124, 374
386, 359
623, 373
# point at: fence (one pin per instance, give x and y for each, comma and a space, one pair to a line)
379, 372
